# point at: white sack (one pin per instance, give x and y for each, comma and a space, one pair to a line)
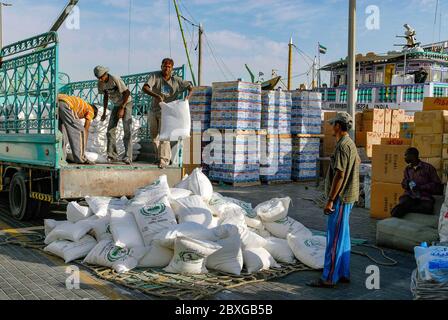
70, 251
229, 258
192, 209
308, 250
106, 254
273, 210
443, 223
153, 219
192, 230
176, 121
281, 228
50, 224
189, 256
184, 184
153, 192
156, 257
250, 239
69, 231
199, 184
256, 259
125, 230
101, 229
76, 212
100, 205
177, 193
280, 250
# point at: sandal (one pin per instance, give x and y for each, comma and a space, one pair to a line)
321, 284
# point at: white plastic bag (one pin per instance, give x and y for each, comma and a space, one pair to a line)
153, 192
156, 257
192, 209
192, 230
69, 231
189, 256
256, 259
443, 224
125, 230
100, 206
176, 121
273, 210
280, 250
432, 263
76, 212
177, 193
229, 258
308, 250
106, 254
69, 250
281, 228
153, 219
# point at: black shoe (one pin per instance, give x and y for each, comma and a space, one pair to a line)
344, 280
321, 284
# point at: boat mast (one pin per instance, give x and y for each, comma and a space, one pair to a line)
201, 31
290, 65
185, 42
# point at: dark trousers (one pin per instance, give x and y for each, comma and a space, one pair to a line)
410, 205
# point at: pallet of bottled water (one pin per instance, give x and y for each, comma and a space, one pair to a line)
236, 105
306, 112
305, 153
275, 158
276, 111
200, 108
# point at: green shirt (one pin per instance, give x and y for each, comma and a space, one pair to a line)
345, 159
170, 90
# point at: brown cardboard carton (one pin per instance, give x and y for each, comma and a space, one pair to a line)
444, 172
373, 114
328, 128
387, 120
445, 152
406, 130
388, 163
428, 145
329, 144
428, 122
374, 138
384, 197
408, 118
397, 117
396, 141
430, 104
436, 162
373, 126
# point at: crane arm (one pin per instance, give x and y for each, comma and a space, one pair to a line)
64, 14
252, 76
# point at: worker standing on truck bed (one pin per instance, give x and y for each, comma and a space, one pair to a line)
163, 86
114, 88
71, 111
342, 191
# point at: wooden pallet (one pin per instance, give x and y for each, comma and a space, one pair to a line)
277, 182
238, 184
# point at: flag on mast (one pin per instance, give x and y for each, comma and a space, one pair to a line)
322, 49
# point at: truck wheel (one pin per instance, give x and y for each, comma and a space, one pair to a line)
19, 202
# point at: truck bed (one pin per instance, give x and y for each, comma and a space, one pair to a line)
114, 180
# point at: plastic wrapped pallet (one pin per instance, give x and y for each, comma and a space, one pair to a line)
276, 112
306, 112
275, 153
236, 105
304, 158
200, 108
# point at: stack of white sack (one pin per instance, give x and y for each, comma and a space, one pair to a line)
188, 229
96, 150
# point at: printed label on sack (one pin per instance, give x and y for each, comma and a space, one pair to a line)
153, 211
117, 253
190, 256
312, 243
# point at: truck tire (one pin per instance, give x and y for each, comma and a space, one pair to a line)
19, 202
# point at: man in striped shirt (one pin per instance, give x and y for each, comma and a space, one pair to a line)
71, 111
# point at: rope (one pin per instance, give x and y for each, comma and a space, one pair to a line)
392, 262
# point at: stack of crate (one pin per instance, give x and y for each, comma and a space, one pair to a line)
407, 128
431, 138
236, 107
306, 121
276, 146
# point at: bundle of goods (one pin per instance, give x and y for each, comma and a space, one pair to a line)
276, 112
275, 158
236, 105
305, 153
97, 141
306, 112
200, 108
188, 229
430, 280
237, 160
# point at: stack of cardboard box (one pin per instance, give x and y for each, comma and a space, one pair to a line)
329, 141
430, 128
388, 167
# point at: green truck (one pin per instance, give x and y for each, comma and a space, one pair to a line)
32, 168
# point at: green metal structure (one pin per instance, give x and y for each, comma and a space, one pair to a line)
32, 170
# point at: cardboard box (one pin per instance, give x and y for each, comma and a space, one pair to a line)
445, 138
373, 114
396, 141
398, 116
430, 104
428, 145
436, 162
373, 126
428, 122
444, 172
384, 197
408, 118
387, 120
406, 130
374, 138
388, 163
445, 152
328, 128
329, 144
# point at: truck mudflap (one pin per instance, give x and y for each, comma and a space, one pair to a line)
76, 182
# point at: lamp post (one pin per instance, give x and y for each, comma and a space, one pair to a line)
351, 99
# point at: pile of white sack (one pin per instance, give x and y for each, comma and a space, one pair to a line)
96, 150
188, 229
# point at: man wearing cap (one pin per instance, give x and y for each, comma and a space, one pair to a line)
71, 110
163, 86
114, 88
342, 191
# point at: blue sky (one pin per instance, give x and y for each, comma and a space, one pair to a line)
239, 31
